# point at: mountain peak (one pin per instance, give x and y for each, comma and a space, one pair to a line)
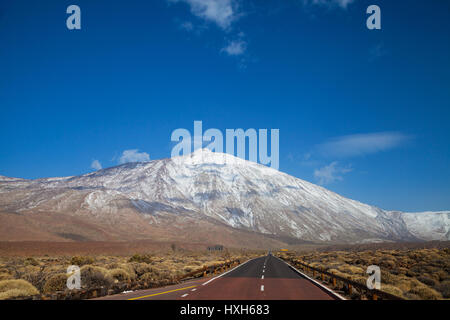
204, 156
218, 191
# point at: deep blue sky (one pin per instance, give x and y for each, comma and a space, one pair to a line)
365, 113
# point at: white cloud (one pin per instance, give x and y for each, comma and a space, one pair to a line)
133, 155
220, 12
362, 144
330, 173
96, 165
235, 47
329, 3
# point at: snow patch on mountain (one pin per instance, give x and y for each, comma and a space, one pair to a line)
428, 225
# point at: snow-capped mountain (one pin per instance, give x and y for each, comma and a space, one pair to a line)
201, 196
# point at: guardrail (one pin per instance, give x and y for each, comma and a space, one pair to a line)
82, 294
348, 287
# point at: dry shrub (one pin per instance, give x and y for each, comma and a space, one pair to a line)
16, 288
141, 268
35, 275
404, 284
57, 282
425, 292
94, 277
119, 275
443, 275
31, 262
411, 296
129, 269
152, 280
337, 273
428, 281
188, 269
352, 270
392, 290
145, 258
387, 263
402, 271
81, 260
357, 278
444, 289
113, 265
5, 276
147, 277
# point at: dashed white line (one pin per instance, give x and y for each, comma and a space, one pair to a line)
220, 275
193, 289
262, 288
184, 295
262, 277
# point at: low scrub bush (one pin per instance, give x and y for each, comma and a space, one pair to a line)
425, 292
57, 282
16, 288
119, 275
94, 277
141, 258
81, 260
31, 262
5, 276
444, 289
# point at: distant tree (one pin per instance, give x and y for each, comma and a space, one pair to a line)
174, 247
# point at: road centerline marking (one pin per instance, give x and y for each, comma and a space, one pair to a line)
184, 295
238, 266
156, 294
262, 288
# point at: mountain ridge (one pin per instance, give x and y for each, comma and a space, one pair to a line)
214, 191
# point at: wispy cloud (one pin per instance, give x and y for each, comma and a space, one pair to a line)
221, 12
96, 165
187, 25
329, 3
133, 155
330, 173
345, 147
362, 144
235, 47
377, 52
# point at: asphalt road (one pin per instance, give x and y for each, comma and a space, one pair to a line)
263, 278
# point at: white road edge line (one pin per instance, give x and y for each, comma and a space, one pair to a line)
184, 295
204, 284
316, 282
262, 288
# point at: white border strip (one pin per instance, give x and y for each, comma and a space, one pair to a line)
337, 295
220, 275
